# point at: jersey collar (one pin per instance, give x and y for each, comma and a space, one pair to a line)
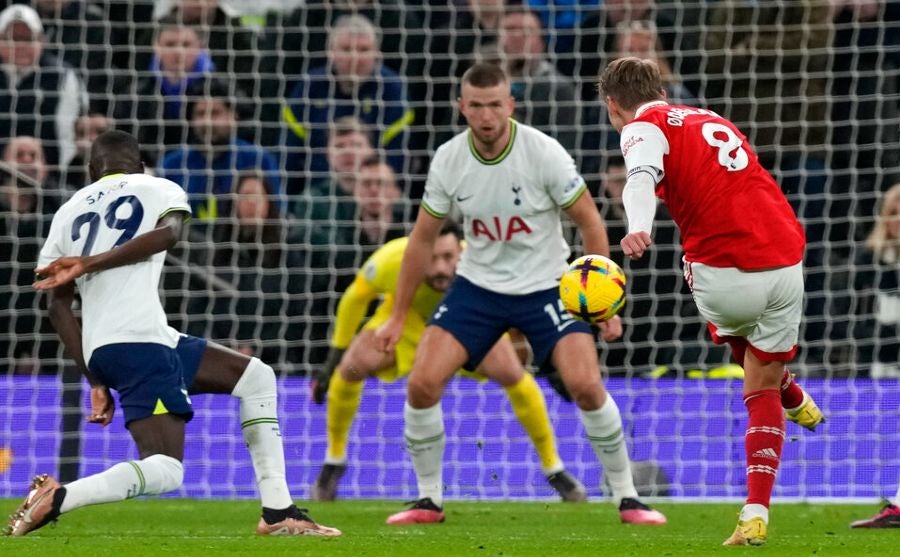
116, 175
647, 106
506, 150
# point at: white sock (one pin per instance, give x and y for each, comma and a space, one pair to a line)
424, 432
154, 475
604, 430
258, 392
753, 511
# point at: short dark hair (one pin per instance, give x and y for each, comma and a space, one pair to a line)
631, 82
174, 21
374, 160
210, 88
115, 151
451, 227
484, 75
345, 125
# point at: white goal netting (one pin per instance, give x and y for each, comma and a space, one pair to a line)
227, 98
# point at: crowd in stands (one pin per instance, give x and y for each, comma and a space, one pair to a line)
303, 137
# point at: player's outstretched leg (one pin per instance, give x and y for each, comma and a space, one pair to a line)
887, 517
799, 407
258, 392
40, 507
343, 402
47, 499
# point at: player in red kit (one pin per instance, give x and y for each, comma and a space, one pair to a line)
743, 252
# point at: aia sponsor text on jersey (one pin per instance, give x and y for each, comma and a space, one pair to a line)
496, 231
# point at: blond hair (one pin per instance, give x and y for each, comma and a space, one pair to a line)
880, 241
631, 82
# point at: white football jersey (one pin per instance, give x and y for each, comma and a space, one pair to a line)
510, 206
121, 304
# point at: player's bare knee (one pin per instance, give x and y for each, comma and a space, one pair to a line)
258, 380
586, 394
423, 392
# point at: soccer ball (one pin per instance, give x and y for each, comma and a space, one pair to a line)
593, 288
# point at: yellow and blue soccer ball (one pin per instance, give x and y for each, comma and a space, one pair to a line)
593, 288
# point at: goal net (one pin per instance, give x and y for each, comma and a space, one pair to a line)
813, 84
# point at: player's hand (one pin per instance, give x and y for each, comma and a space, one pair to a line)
635, 244
59, 272
102, 406
388, 335
321, 377
612, 329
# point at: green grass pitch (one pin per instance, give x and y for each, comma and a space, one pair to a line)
187, 527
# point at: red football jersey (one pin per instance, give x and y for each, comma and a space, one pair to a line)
730, 210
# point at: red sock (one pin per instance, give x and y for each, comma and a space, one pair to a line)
763, 442
791, 393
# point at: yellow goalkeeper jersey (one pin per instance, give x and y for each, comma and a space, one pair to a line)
378, 277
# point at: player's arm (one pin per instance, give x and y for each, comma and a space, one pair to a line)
586, 217
69, 330
643, 145
412, 272
139, 248
351, 311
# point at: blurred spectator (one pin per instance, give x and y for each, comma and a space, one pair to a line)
76, 32
544, 97
25, 215
454, 48
376, 194
207, 167
128, 22
353, 83
866, 53
157, 104
302, 34
639, 38
874, 295
87, 128
349, 144
39, 192
597, 39
264, 310
233, 48
561, 18
39, 95
359, 226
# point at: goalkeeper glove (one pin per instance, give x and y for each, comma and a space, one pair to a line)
321, 377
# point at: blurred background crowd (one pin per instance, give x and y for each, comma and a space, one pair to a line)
302, 133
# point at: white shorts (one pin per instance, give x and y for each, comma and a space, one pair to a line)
764, 307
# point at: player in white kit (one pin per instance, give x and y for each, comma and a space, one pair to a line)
111, 238
510, 183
